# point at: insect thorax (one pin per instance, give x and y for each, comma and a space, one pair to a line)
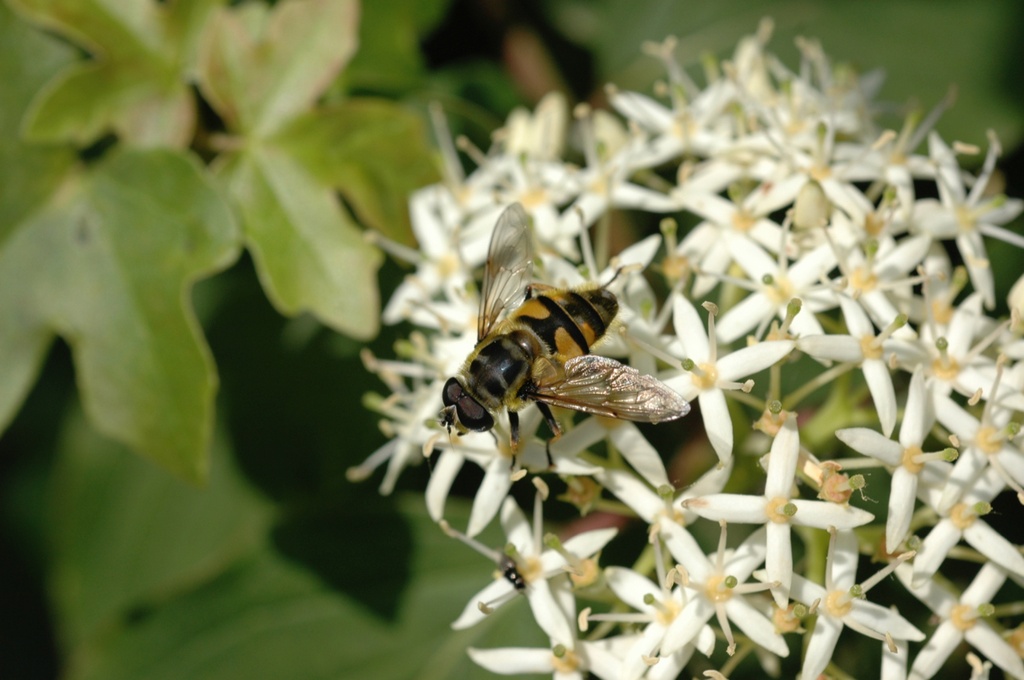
500, 365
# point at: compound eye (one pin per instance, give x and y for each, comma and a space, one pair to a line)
452, 392
473, 415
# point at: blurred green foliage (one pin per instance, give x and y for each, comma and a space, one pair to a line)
184, 191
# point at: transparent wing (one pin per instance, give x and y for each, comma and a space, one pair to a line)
509, 267
603, 386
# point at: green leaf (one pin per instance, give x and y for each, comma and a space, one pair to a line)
309, 255
277, 615
28, 173
134, 85
125, 536
260, 67
373, 152
108, 265
89, 100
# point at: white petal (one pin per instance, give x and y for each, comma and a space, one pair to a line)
823, 643
751, 256
750, 360
994, 546
548, 615
687, 551
964, 324
934, 548
687, 624
955, 418
901, 507
732, 507
879, 380
589, 543
440, 483
512, 660
498, 589
844, 348
871, 443
943, 642
640, 253
633, 664
962, 479
603, 656
779, 561
782, 460
717, 423
844, 561
756, 625
518, 530
634, 493
493, 488
743, 316
972, 247
632, 588
823, 515
628, 195
856, 320
639, 453
806, 591
642, 109
894, 664
985, 585
995, 649
690, 329
917, 416
884, 620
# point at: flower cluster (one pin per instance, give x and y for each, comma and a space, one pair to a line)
828, 283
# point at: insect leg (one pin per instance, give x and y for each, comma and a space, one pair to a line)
513, 425
556, 429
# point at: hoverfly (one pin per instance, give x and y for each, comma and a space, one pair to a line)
539, 352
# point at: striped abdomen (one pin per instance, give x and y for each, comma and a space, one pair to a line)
567, 322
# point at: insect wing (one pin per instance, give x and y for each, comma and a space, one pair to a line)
605, 387
509, 267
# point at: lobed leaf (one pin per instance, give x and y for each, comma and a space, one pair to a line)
108, 264
260, 67
309, 255
372, 151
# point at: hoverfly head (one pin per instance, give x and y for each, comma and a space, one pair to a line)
462, 411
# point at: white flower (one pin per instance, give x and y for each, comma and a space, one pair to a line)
604, 182
774, 283
778, 510
840, 604
963, 520
564, 661
568, 658
535, 565
707, 376
961, 620
863, 347
968, 217
665, 504
718, 588
706, 246
987, 443
906, 456
660, 608
492, 452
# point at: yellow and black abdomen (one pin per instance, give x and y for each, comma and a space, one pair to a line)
568, 322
